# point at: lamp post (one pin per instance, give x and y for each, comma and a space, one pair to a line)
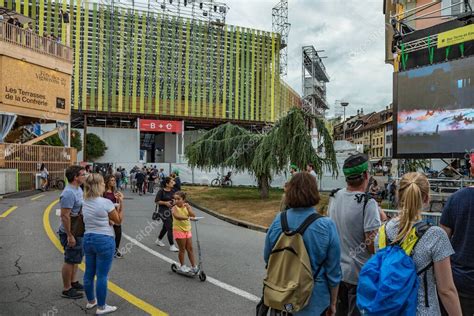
344, 105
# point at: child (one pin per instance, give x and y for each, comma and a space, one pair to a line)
182, 214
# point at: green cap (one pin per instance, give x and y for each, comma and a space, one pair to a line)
294, 167
355, 165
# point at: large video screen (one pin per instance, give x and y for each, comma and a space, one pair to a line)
434, 110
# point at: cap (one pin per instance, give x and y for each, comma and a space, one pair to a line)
294, 167
355, 165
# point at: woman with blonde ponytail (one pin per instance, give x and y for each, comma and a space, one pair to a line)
433, 248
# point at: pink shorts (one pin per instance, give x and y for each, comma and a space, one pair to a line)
181, 235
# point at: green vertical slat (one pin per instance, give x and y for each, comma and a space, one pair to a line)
121, 61
107, 56
115, 20
200, 36
205, 64
142, 64
263, 87
165, 63
179, 105
210, 56
85, 55
272, 79
26, 8
63, 25
93, 56
252, 83
268, 52
135, 64
10, 4
158, 64
149, 47
194, 63
224, 77
237, 74
48, 17
247, 74
76, 55
186, 75
172, 74
100, 60
18, 6
56, 19
219, 76
41, 18
242, 74
33, 9
258, 54
126, 105
231, 51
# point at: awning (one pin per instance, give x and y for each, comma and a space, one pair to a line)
7, 13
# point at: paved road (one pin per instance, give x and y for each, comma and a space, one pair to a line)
30, 263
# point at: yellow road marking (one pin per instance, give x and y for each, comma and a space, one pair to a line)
11, 209
37, 197
146, 307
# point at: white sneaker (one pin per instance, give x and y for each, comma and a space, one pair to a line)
106, 310
160, 243
173, 248
184, 269
195, 270
91, 305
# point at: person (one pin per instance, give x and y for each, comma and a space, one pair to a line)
357, 220
310, 170
118, 179
133, 180
320, 239
177, 180
124, 179
99, 244
140, 180
164, 200
152, 175
70, 202
182, 214
433, 247
89, 169
44, 177
457, 220
114, 196
162, 175
374, 188
293, 170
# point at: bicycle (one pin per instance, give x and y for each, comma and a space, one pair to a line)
55, 183
224, 181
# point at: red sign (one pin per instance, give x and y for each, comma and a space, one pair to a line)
161, 126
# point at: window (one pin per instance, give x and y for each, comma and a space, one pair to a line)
458, 8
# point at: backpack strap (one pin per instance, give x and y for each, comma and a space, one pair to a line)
300, 230
284, 222
420, 229
333, 192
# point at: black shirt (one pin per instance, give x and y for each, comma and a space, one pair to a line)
140, 177
165, 196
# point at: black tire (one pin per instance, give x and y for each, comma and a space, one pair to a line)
60, 184
215, 183
202, 276
174, 268
227, 183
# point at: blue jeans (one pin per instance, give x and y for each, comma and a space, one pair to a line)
99, 250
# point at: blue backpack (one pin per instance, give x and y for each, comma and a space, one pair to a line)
388, 282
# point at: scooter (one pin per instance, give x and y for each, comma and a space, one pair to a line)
200, 274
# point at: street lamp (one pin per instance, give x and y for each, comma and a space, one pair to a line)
344, 104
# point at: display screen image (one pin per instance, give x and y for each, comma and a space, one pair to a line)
435, 110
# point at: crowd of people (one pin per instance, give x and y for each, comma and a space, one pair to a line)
355, 237
92, 212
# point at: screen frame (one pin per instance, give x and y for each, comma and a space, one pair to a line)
398, 155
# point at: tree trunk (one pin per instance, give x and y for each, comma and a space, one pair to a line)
264, 187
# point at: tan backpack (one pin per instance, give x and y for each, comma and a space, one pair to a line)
289, 282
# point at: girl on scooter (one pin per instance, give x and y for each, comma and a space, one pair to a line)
182, 214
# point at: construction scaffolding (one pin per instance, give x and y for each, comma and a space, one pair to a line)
314, 79
281, 26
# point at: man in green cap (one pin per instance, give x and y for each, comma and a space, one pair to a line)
357, 220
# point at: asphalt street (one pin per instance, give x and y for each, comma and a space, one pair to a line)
141, 283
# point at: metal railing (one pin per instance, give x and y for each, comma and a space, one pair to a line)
26, 38
430, 217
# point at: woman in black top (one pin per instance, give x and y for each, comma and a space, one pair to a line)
164, 200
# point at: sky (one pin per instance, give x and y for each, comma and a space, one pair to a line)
352, 37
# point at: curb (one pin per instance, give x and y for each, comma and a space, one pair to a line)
230, 220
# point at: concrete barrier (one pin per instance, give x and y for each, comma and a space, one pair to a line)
8, 181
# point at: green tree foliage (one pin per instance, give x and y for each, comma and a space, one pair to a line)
95, 147
76, 140
53, 140
267, 153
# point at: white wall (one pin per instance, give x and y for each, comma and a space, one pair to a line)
7, 181
122, 145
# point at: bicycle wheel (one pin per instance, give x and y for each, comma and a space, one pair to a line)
215, 183
60, 184
227, 183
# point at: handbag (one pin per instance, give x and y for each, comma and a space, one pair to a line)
77, 225
156, 214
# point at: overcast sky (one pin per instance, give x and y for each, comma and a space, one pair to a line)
352, 36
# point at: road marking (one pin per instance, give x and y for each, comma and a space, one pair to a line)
7, 212
146, 307
37, 197
216, 282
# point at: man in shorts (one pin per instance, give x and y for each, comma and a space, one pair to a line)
71, 203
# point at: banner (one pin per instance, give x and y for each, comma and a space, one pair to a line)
161, 126
456, 36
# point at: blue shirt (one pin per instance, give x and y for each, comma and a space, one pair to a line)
322, 244
458, 215
71, 198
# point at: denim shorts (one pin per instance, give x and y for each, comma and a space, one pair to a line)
72, 255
